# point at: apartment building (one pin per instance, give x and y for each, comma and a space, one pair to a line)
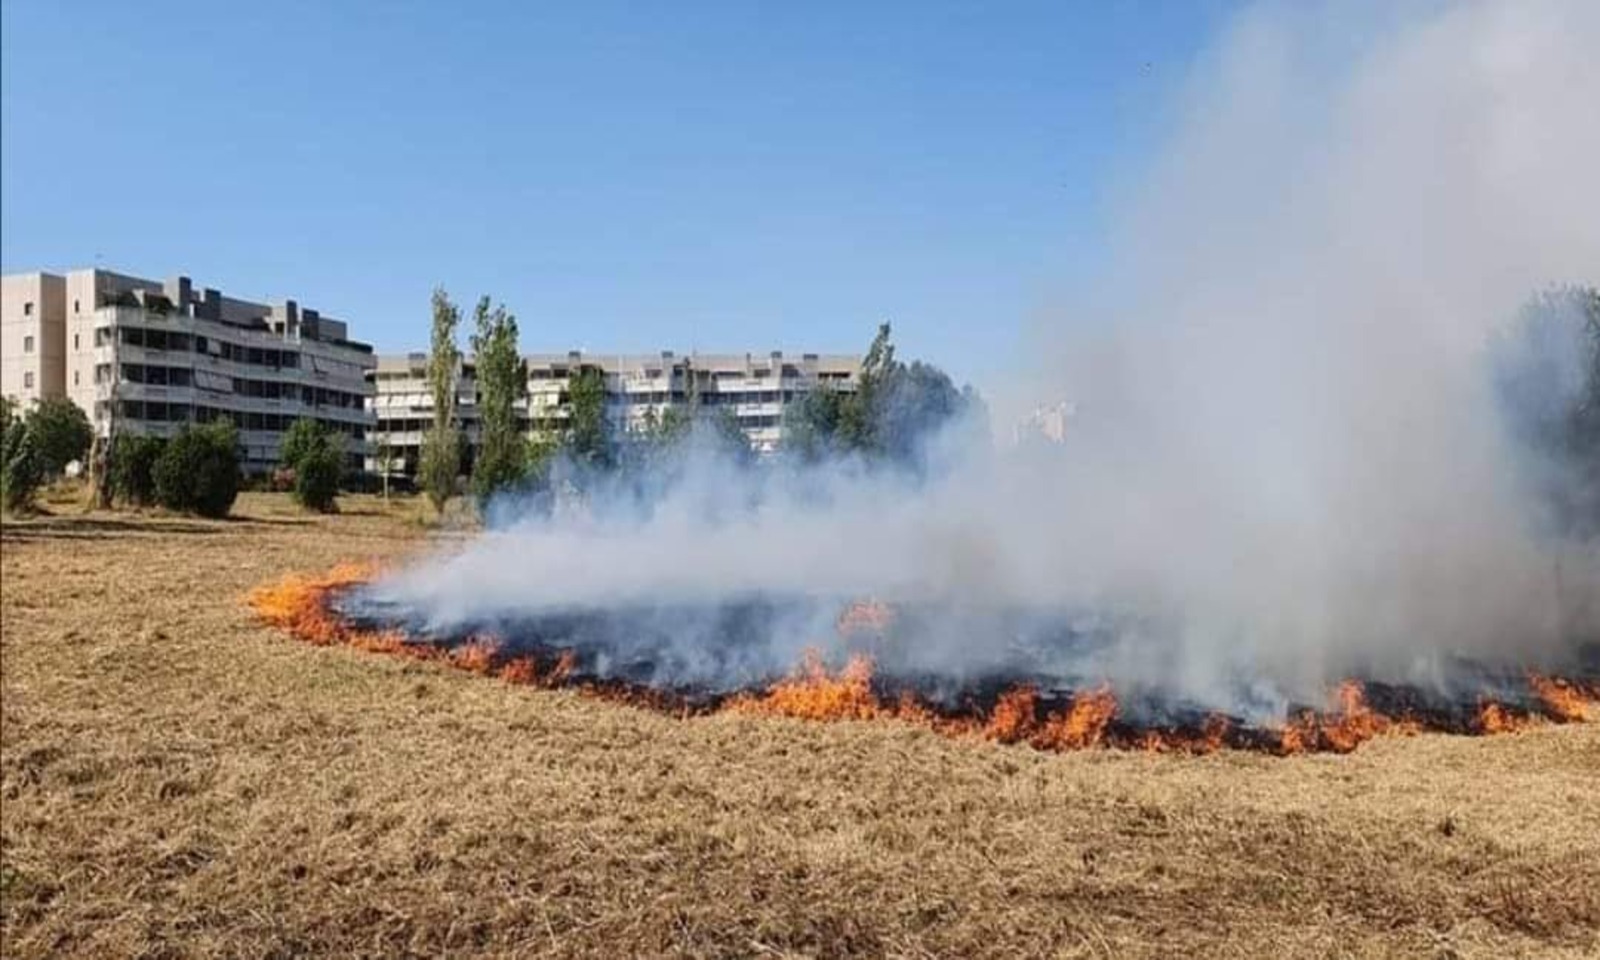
755, 389
159, 354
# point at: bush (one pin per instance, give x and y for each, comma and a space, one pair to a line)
21, 470
316, 477
133, 465
198, 472
313, 464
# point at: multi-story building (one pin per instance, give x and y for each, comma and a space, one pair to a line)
156, 355
755, 389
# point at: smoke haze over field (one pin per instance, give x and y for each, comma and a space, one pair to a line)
1286, 464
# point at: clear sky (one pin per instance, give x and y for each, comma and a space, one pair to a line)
713, 176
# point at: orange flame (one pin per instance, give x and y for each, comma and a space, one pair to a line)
1082, 725
1349, 722
813, 694
1495, 718
1012, 720
1564, 701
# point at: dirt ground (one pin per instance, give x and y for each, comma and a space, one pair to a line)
178, 780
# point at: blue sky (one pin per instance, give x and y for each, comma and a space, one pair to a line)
703, 176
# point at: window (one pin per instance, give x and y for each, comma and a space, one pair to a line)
75, 307
27, 308
74, 378
27, 379
75, 344
27, 344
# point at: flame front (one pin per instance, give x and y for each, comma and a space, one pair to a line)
300, 605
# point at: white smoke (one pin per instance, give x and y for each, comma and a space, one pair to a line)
1286, 464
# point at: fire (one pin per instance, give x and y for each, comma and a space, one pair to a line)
1495, 718
297, 603
812, 693
1348, 723
1013, 718
476, 656
1082, 725
300, 604
1565, 701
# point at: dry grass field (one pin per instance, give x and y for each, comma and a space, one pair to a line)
178, 780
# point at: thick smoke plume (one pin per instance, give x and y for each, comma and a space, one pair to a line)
1288, 463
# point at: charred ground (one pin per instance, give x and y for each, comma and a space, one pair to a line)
177, 779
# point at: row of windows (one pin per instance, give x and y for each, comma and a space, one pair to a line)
419, 424
269, 357
175, 340
162, 376
753, 396
157, 412
790, 372
706, 399
156, 376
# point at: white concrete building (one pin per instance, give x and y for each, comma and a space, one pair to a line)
755, 389
158, 355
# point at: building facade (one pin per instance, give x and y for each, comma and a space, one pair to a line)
32, 337
149, 356
755, 389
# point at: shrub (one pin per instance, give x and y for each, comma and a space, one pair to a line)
133, 464
313, 464
316, 477
198, 471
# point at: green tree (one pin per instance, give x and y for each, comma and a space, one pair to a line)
304, 435
61, 432
21, 468
887, 418
441, 447
316, 456
811, 429
198, 471
133, 461
588, 438
317, 476
538, 456
501, 461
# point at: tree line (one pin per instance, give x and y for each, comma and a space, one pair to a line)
1544, 366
